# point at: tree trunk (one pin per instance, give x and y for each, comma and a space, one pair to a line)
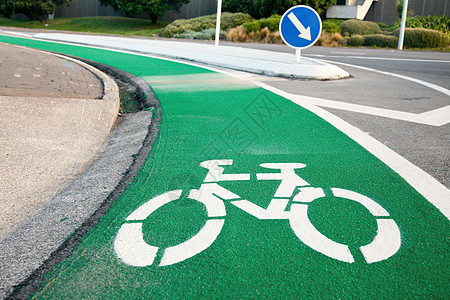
154, 19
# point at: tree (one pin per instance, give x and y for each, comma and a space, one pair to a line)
6, 8
153, 8
33, 9
265, 8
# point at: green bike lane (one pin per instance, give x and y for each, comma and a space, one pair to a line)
207, 116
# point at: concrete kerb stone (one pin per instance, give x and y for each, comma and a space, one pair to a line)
144, 92
56, 121
60, 226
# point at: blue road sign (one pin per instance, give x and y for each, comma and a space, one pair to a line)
300, 27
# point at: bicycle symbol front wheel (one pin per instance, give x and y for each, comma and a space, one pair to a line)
385, 244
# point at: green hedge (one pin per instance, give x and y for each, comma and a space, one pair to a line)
423, 38
207, 34
373, 40
381, 40
439, 23
383, 26
229, 20
272, 22
331, 27
252, 26
414, 38
356, 41
351, 27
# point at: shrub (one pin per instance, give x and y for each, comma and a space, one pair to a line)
423, 38
252, 26
381, 40
351, 27
207, 34
383, 26
331, 27
229, 20
274, 38
356, 41
272, 22
331, 40
176, 27
239, 34
439, 23
260, 35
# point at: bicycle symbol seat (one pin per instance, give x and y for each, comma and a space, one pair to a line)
131, 248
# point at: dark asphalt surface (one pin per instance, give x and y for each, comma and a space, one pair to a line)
431, 66
424, 145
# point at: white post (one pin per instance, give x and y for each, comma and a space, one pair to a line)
219, 13
298, 53
401, 36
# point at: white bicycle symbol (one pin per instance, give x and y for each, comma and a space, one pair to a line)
131, 248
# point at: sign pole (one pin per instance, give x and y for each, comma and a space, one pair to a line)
219, 13
401, 36
298, 53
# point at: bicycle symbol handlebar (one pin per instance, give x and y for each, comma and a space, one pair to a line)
131, 248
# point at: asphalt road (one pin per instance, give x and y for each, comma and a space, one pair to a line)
424, 145
431, 66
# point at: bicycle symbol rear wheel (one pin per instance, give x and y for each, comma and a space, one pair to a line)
133, 250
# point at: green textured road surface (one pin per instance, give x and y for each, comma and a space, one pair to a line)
209, 116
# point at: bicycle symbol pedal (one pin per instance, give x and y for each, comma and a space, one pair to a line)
131, 248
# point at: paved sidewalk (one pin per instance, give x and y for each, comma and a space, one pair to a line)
56, 116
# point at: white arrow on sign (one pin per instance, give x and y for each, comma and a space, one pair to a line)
305, 33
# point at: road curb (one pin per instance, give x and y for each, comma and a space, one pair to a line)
145, 94
60, 226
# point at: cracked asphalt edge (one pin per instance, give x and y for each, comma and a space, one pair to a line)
50, 236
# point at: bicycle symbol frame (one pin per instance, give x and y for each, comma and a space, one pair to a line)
131, 248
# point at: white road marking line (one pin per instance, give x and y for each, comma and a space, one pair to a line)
437, 117
344, 52
18, 33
